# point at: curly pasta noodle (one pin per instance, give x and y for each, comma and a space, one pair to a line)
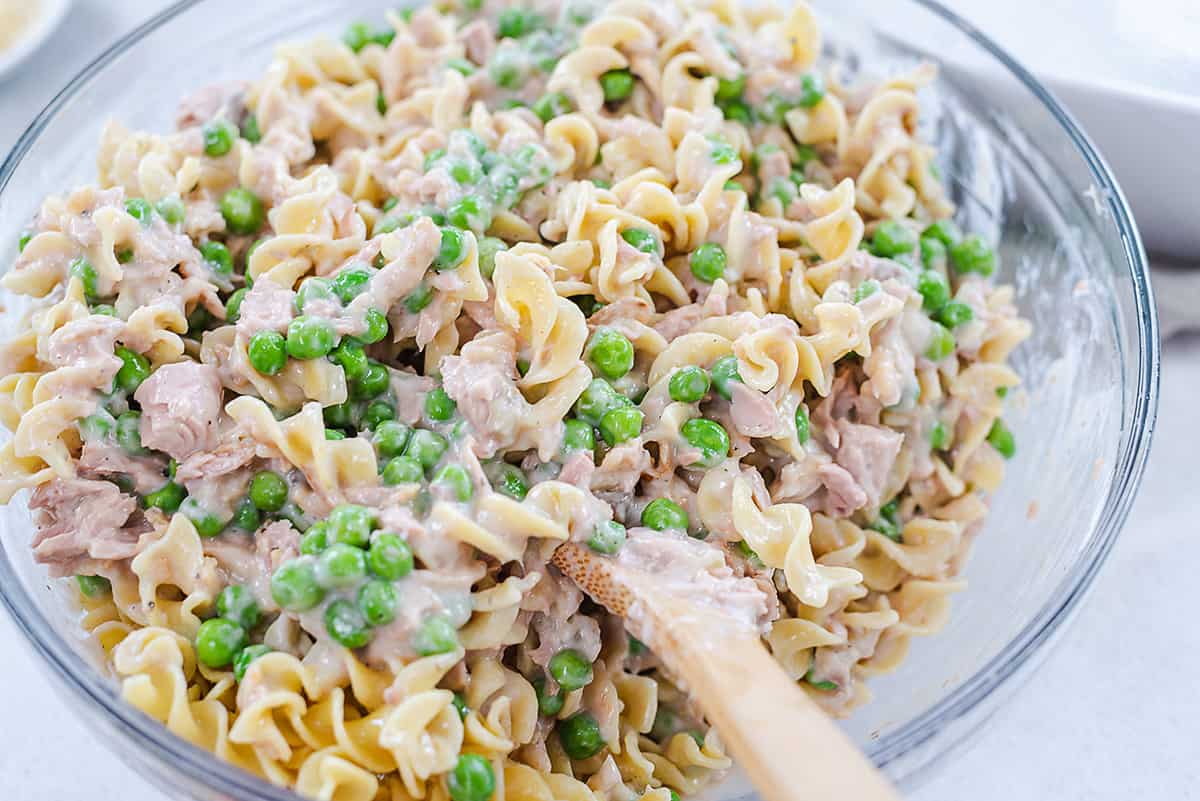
312, 388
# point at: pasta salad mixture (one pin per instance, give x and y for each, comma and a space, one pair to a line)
317, 383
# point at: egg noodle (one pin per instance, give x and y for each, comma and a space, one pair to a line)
318, 382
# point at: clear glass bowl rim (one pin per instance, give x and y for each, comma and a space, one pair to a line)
205, 769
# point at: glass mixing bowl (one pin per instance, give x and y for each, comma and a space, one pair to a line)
1021, 171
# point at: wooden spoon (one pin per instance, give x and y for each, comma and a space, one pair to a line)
787, 745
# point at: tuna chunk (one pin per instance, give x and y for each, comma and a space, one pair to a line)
80, 521
622, 468
868, 453
482, 381
105, 458
752, 412
180, 406
842, 493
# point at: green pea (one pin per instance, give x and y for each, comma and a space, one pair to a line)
437, 635
730, 89
377, 601
621, 425
339, 415
93, 586
941, 343
294, 586
888, 522
450, 253
708, 262
218, 137
454, 478
218, 641
351, 524
636, 646
236, 603
472, 779
611, 353
316, 539
489, 246
334, 434
737, 111
721, 152
124, 255
426, 448
168, 498
578, 436
460, 706
346, 624
597, 400
607, 538
340, 566
1002, 439
349, 355
246, 516
934, 290
513, 23
892, 238
402, 470
587, 304
207, 524
933, 253
385, 225
241, 662
217, 257
378, 411
198, 321
390, 557
689, 384
140, 209
865, 290
268, 491
954, 314
782, 189
349, 284
973, 255
242, 210
803, 429
95, 426
310, 337
509, 480
709, 437
939, 436
23, 240
570, 669
135, 368
294, 515
129, 435
506, 70
250, 129
551, 105
1001, 392
419, 298
617, 85
82, 269
580, 736
374, 381
548, 705
643, 240
663, 513
812, 90
460, 65
774, 108
724, 374
357, 36
233, 306
439, 406
464, 172
945, 231
469, 213
391, 437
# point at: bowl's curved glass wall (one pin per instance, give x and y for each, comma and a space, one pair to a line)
1020, 173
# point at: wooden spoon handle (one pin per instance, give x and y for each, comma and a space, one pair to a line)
786, 744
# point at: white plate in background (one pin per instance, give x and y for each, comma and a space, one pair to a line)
49, 14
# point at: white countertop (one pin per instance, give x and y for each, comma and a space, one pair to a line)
1111, 715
